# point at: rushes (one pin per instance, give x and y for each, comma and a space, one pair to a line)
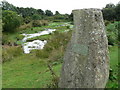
9, 52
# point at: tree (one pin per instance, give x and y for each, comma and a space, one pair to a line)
57, 13
41, 12
27, 19
7, 6
71, 17
110, 5
11, 20
109, 14
117, 9
48, 13
36, 17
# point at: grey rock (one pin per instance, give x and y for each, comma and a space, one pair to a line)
86, 61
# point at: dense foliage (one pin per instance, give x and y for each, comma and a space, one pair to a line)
112, 33
111, 12
34, 14
30, 70
11, 20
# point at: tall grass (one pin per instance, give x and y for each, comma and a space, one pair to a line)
113, 77
54, 49
10, 52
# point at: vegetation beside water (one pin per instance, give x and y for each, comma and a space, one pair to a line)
29, 71
114, 77
19, 67
41, 68
32, 68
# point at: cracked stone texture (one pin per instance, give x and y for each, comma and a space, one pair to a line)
86, 61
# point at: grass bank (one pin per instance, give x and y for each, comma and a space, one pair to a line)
27, 71
113, 78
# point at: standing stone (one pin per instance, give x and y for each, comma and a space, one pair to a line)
86, 61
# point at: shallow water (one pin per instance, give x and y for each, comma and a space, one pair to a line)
36, 44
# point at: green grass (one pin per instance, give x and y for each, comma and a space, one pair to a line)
113, 81
51, 26
16, 37
113, 53
27, 72
43, 37
42, 28
30, 71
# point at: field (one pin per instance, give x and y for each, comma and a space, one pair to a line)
113, 79
32, 71
27, 72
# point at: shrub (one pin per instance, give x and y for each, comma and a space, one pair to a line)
55, 47
11, 21
57, 54
36, 23
57, 44
44, 22
8, 39
39, 23
25, 26
107, 22
5, 39
36, 17
112, 33
111, 38
42, 53
9, 52
27, 19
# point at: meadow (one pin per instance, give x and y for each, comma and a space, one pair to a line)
41, 68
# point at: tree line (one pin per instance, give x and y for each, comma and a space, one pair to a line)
14, 16
32, 13
111, 12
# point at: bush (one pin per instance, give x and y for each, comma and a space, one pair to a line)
9, 52
57, 54
25, 26
55, 47
36, 17
42, 53
8, 40
27, 19
5, 39
36, 23
11, 21
112, 39
39, 23
107, 22
112, 33
11, 39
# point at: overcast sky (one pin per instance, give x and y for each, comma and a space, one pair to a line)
63, 6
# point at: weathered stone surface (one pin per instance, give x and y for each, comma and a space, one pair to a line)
86, 61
